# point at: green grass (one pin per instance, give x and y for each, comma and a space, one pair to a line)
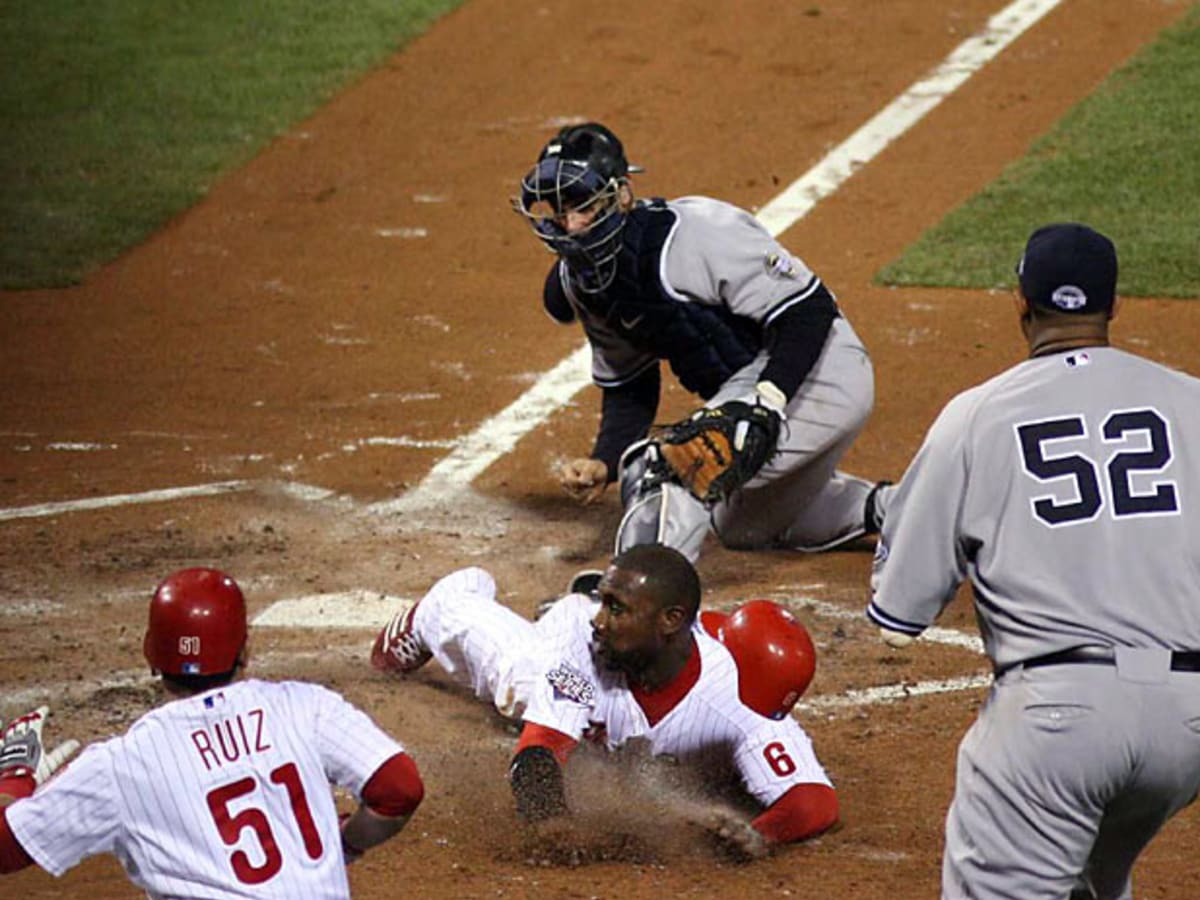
1125, 161
119, 114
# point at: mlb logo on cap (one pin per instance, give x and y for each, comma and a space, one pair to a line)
1070, 268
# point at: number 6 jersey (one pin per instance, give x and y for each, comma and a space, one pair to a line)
708, 727
1037, 485
223, 794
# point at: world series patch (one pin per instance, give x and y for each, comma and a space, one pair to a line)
570, 683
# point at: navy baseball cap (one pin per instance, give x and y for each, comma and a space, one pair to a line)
1068, 267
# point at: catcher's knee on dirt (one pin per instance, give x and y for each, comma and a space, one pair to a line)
657, 511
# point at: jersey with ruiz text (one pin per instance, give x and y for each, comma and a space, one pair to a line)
220, 795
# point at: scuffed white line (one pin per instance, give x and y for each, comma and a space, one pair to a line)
75, 689
407, 233
368, 610
293, 489
417, 443
902, 113
496, 436
66, 506
890, 693
79, 447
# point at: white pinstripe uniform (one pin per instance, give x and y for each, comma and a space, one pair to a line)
224, 794
545, 671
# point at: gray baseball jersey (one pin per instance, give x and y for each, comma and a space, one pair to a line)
1067, 490
221, 795
720, 257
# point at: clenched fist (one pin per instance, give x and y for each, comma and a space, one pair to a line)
584, 479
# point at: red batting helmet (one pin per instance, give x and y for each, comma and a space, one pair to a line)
775, 656
197, 624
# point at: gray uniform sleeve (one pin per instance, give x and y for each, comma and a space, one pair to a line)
922, 555
720, 254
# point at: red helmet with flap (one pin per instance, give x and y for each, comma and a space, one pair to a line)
197, 624
774, 653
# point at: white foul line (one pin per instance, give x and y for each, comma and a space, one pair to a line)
499, 434
902, 113
304, 492
53, 509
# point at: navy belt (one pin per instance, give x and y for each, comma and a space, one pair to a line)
1181, 660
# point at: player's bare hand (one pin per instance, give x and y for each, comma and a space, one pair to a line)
731, 831
584, 479
737, 834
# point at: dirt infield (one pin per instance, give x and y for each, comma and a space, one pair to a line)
342, 310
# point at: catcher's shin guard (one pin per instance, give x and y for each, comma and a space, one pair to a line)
668, 515
657, 510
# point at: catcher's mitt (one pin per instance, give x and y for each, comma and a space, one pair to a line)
714, 452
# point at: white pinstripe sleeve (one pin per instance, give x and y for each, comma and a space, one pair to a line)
74, 815
777, 757
351, 745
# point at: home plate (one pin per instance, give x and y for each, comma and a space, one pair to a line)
348, 609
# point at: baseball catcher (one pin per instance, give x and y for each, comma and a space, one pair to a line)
714, 452
740, 321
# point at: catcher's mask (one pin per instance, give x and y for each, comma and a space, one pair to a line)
581, 169
774, 652
197, 624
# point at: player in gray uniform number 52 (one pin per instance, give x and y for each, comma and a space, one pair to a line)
1068, 490
703, 285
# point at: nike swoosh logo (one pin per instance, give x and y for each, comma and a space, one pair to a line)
632, 324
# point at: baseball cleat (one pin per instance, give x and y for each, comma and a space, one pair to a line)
397, 648
585, 581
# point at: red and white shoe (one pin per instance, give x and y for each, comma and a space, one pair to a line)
397, 648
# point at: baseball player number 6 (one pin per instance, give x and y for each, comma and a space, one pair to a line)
777, 758
232, 826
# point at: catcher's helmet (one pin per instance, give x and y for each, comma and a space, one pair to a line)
581, 168
197, 624
775, 656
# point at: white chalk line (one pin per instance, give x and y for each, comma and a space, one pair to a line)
368, 610
305, 492
499, 434
363, 609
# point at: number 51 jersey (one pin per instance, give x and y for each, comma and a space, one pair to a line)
1068, 489
222, 794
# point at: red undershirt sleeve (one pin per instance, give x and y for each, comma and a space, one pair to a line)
395, 788
12, 855
804, 811
556, 742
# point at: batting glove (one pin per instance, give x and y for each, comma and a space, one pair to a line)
24, 762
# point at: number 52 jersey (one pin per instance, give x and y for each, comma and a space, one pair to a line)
223, 794
1068, 489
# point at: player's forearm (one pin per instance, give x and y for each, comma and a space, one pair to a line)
803, 812
365, 829
795, 340
13, 857
625, 416
389, 798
